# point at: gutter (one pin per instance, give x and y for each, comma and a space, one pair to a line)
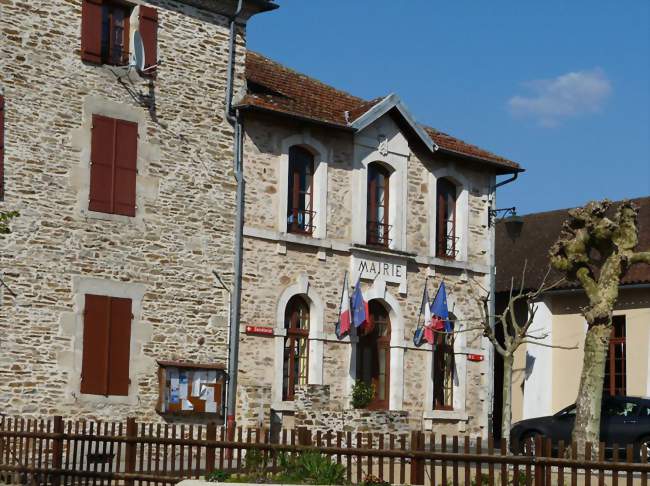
233, 116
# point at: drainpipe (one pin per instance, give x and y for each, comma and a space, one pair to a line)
235, 303
492, 303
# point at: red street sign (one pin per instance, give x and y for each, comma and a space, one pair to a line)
261, 330
475, 357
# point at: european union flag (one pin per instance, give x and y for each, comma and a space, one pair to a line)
359, 316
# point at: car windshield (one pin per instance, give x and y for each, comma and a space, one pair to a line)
570, 410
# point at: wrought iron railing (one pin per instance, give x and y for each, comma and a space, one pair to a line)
447, 246
301, 221
378, 233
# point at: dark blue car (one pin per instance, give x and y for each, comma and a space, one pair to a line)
624, 420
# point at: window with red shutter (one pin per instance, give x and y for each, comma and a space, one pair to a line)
106, 346
113, 169
148, 28
2, 147
105, 31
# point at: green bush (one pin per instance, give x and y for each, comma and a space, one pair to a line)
310, 468
217, 476
362, 394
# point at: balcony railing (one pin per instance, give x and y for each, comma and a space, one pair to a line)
446, 247
301, 221
378, 233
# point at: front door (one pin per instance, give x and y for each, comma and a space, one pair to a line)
373, 357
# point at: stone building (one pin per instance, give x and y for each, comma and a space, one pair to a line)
339, 184
546, 379
122, 177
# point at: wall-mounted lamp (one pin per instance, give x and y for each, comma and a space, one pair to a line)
513, 222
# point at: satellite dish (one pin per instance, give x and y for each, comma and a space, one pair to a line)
138, 51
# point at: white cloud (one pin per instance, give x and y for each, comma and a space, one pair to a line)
570, 94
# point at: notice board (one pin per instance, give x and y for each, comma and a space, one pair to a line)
191, 389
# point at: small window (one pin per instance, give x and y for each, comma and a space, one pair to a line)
296, 346
105, 33
377, 226
443, 372
106, 346
300, 214
615, 373
113, 166
446, 219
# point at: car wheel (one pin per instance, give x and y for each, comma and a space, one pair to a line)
527, 443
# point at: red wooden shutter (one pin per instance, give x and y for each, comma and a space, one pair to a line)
119, 353
2, 147
94, 367
102, 155
126, 159
149, 31
91, 31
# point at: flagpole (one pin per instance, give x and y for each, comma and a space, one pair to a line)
345, 281
424, 293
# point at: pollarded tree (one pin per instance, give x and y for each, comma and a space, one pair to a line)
596, 250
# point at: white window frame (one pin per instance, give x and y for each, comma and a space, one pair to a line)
319, 203
303, 288
462, 210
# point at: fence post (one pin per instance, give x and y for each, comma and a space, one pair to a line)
57, 450
417, 464
210, 434
130, 449
304, 436
539, 453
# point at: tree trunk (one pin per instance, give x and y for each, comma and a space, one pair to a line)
506, 406
587, 424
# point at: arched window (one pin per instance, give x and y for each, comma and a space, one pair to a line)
300, 214
296, 346
373, 355
446, 219
377, 227
443, 371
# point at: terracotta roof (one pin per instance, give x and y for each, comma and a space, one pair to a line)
538, 233
274, 87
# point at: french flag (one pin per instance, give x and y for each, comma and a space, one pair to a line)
343, 326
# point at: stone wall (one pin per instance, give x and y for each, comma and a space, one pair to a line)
184, 224
314, 410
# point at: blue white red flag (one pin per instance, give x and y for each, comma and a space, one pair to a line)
343, 325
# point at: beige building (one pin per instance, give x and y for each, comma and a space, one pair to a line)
338, 184
546, 379
122, 176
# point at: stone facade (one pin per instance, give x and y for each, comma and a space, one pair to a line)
164, 257
278, 265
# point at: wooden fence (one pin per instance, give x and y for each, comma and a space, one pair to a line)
59, 453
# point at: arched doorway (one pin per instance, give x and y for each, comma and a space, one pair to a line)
373, 354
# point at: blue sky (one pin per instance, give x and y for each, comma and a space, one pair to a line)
562, 87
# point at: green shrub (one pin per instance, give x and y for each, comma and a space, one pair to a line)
217, 476
362, 394
310, 468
